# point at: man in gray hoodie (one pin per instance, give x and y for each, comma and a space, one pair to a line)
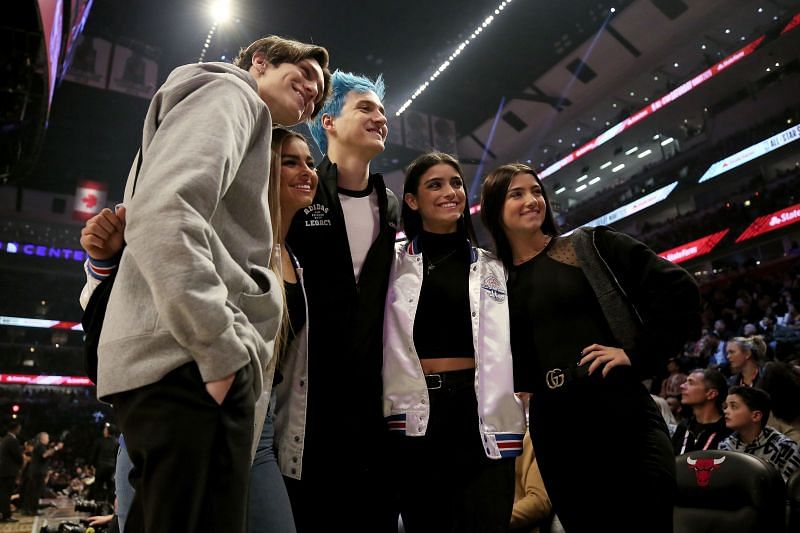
194, 307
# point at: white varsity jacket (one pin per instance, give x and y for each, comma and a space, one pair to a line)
405, 394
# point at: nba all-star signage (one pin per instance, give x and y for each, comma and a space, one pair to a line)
90, 199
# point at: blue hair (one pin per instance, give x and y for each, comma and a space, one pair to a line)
342, 83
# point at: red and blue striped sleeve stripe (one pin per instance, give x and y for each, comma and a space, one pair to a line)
101, 269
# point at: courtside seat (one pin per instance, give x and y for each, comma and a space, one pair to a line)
730, 492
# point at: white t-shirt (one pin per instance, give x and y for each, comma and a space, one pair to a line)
362, 219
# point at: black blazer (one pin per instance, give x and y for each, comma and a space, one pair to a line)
10, 456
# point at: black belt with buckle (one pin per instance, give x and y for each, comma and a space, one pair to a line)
455, 379
555, 378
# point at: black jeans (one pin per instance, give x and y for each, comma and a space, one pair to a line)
446, 482
191, 456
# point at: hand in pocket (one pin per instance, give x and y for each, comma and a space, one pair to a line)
219, 389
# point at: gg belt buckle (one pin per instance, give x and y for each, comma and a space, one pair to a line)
554, 378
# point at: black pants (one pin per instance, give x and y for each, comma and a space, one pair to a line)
34, 487
191, 456
7, 484
446, 482
103, 486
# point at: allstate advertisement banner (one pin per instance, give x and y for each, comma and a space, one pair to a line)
634, 207
778, 219
693, 249
752, 152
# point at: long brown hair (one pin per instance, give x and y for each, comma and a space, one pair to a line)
493, 198
280, 135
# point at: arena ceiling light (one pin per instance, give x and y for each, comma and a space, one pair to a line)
560, 190
631, 150
221, 11
667, 141
645, 153
582, 178
453, 55
618, 167
582, 187
605, 165
594, 180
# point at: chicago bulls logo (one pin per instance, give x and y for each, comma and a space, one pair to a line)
703, 469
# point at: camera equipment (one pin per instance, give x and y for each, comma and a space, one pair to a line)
93, 507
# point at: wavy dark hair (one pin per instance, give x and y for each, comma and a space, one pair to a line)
412, 221
493, 198
281, 50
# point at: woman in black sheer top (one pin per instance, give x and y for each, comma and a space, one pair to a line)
592, 314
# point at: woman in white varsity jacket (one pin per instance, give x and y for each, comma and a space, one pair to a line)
447, 372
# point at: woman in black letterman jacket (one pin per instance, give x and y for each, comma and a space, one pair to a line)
591, 315
447, 374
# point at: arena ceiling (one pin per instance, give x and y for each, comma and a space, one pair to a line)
520, 60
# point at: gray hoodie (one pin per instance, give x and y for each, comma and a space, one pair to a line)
193, 283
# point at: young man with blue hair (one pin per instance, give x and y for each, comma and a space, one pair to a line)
344, 241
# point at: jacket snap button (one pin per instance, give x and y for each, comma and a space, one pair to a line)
302, 383
474, 314
294, 459
294, 470
297, 438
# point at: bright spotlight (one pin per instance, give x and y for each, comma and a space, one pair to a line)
221, 10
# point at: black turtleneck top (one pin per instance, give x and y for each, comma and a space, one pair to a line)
442, 325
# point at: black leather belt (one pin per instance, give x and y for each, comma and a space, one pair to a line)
455, 379
555, 378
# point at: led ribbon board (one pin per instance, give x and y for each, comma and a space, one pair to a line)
777, 220
26, 379
752, 152
694, 249
634, 207
22, 322
41, 250
663, 101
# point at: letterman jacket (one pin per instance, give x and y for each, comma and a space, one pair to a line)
405, 399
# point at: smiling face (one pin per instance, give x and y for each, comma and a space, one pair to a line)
298, 177
440, 199
361, 125
290, 90
524, 208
